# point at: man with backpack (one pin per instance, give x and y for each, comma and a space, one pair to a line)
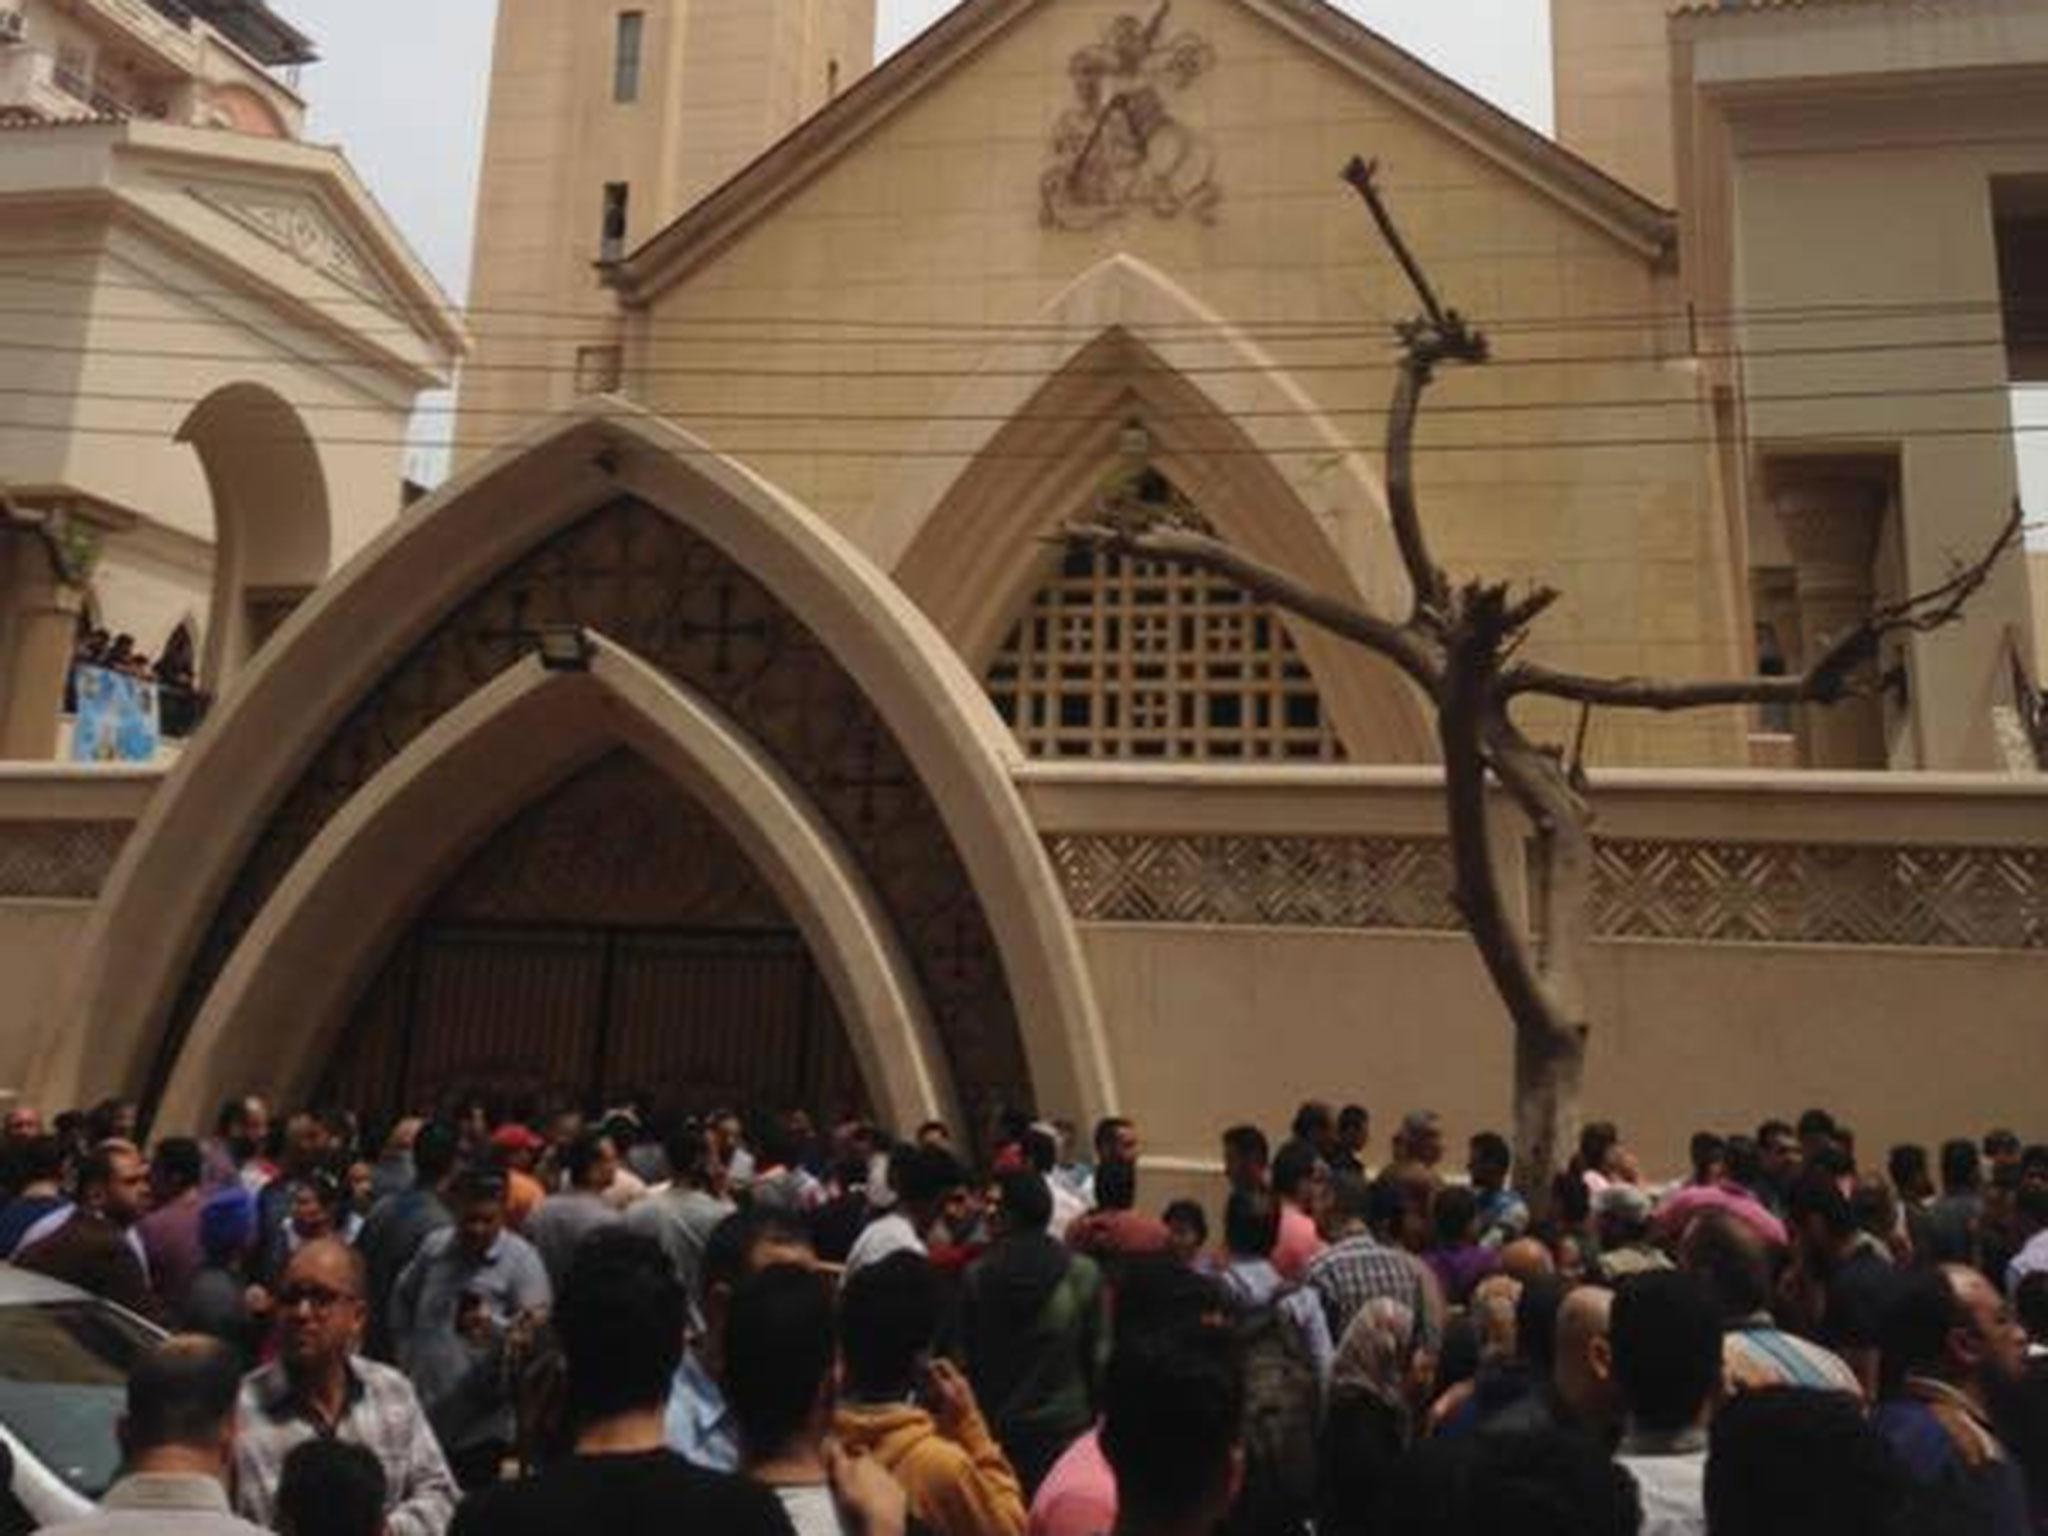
1032, 1323
1283, 1343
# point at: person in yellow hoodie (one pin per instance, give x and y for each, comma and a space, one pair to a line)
915, 1415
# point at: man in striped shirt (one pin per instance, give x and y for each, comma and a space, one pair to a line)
1726, 1254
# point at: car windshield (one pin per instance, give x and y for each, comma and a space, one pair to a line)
63, 1380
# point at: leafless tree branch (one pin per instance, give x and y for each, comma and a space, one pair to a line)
1439, 336
1830, 678
1403, 645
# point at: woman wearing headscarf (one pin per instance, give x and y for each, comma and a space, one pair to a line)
1370, 1418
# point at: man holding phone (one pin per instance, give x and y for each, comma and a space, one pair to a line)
469, 1292
916, 1415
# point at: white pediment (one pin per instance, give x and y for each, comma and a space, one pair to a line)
301, 225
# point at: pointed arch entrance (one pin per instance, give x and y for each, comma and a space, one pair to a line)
362, 882
1035, 437
686, 572
646, 957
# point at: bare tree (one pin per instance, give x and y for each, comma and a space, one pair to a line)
1459, 645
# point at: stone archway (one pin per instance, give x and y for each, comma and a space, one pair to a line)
1032, 440
360, 882
631, 529
273, 529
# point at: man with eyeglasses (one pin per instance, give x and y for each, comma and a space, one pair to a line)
320, 1389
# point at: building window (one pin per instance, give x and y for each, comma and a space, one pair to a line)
612, 242
626, 56
1123, 658
598, 369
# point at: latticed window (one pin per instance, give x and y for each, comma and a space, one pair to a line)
1124, 658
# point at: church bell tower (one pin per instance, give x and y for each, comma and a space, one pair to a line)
1612, 63
606, 122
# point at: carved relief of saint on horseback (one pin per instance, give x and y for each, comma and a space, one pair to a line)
1120, 145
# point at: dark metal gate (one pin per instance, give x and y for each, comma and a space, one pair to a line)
695, 1019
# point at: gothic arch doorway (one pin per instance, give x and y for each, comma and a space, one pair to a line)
634, 951
684, 576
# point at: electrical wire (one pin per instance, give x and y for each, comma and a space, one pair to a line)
802, 449
1074, 418
1290, 328
963, 375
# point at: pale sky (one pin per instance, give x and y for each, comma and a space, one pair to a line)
412, 117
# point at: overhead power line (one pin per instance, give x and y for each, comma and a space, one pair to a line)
797, 448
1845, 311
826, 416
963, 374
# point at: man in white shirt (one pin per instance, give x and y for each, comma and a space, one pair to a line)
2032, 1259
922, 1177
1666, 1338
1041, 1148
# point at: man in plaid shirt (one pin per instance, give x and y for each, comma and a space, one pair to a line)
318, 1389
1361, 1268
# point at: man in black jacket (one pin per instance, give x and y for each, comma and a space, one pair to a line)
1032, 1325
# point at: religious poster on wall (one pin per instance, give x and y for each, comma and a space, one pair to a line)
117, 719
1120, 145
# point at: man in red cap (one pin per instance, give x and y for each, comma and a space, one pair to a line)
517, 1148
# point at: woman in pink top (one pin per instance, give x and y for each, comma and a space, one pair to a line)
1302, 1183
1078, 1497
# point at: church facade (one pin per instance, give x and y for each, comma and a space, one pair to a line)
740, 728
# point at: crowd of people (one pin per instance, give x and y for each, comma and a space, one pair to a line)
118, 653
180, 704
501, 1323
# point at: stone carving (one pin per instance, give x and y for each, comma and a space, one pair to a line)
58, 860
638, 577
303, 229
1698, 893
1120, 145
1236, 881
1819, 893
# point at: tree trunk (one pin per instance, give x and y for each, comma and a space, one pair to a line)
1550, 1055
1550, 1072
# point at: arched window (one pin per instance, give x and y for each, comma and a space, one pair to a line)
1123, 658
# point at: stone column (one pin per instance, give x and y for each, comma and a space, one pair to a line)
40, 631
1832, 525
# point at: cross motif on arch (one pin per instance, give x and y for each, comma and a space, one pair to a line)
866, 773
721, 629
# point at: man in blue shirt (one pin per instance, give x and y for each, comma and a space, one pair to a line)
698, 1424
1951, 1343
471, 1288
1503, 1214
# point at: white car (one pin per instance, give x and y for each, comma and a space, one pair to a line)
64, 1360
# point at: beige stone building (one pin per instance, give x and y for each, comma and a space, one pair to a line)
214, 340
742, 733
604, 126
